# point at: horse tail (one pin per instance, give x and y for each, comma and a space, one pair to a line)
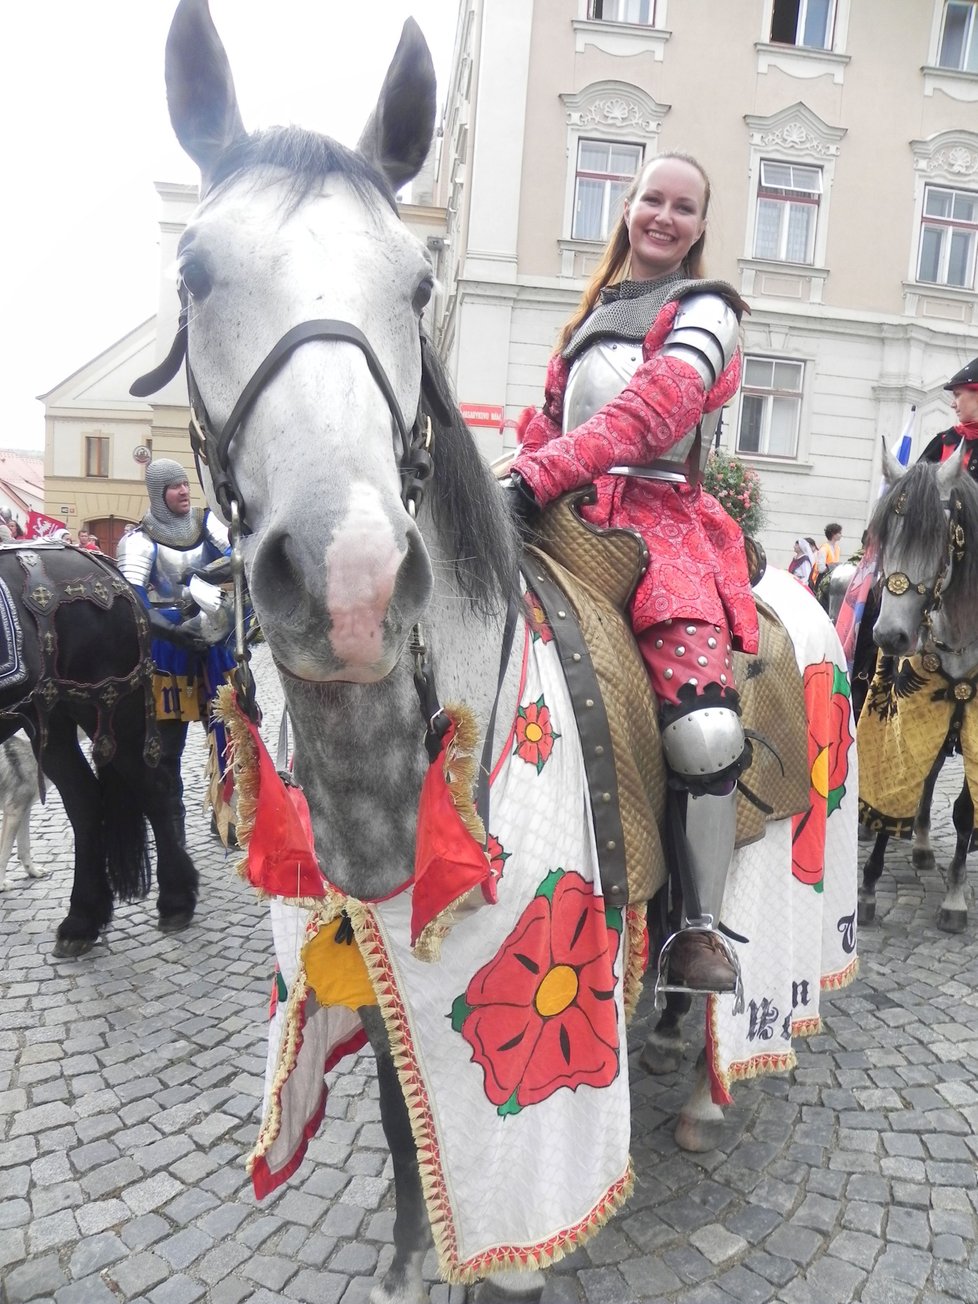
124, 832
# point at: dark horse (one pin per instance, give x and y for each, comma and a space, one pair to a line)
76, 656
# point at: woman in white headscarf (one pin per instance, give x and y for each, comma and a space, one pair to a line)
802, 562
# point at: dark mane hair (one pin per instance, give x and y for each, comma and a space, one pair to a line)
466, 500
307, 156
912, 513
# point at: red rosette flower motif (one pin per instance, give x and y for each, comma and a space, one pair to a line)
536, 618
542, 1014
497, 857
534, 734
827, 705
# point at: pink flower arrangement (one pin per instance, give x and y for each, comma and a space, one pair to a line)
737, 488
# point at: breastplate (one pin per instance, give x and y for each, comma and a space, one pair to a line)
174, 564
600, 374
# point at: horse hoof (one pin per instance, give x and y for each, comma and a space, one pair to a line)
952, 921
922, 859
697, 1135
69, 948
866, 912
176, 923
661, 1054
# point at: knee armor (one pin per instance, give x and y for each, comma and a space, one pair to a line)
704, 745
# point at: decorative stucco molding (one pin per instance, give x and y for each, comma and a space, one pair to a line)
614, 107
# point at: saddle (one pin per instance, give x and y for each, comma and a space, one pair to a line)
584, 578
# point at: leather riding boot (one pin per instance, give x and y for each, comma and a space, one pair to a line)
697, 961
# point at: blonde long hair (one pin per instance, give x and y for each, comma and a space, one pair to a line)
614, 263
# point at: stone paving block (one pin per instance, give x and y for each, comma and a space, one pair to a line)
90, 1290
177, 1290
799, 1244
38, 1279
184, 1248
230, 1290
143, 1197
52, 1232
717, 1244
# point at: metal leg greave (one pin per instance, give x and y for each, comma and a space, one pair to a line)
698, 957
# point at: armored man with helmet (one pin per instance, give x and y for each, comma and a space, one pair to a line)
632, 403
173, 544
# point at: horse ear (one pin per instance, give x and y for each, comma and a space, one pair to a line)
398, 133
892, 469
199, 86
949, 471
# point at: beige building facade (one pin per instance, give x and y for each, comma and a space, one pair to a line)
841, 138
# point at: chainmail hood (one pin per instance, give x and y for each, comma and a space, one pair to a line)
160, 523
628, 310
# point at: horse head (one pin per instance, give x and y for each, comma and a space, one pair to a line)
303, 294
916, 528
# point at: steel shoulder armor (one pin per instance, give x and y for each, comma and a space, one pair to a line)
135, 556
705, 333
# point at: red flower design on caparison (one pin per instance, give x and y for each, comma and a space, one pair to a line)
542, 1014
497, 857
535, 734
827, 706
536, 618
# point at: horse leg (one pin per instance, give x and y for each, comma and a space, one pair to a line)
953, 914
90, 906
403, 1282
700, 1123
923, 852
176, 874
873, 868
663, 1049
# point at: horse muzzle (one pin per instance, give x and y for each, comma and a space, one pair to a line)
344, 613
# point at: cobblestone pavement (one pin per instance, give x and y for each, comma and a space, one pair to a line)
130, 1083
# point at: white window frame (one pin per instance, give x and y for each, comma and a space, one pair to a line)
611, 12
803, 10
768, 395
793, 135
612, 182
611, 111
971, 37
947, 160
929, 222
788, 199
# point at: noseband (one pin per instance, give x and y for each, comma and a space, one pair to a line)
213, 448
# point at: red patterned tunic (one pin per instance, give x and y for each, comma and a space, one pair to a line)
697, 567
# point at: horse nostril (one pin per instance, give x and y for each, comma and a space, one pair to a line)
276, 580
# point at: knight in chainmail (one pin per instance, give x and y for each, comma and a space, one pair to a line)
633, 397
172, 544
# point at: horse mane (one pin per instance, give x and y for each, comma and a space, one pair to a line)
308, 157
912, 513
466, 502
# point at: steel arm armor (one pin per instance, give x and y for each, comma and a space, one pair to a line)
135, 556
704, 334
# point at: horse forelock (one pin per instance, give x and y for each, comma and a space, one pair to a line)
466, 500
910, 526
307, 158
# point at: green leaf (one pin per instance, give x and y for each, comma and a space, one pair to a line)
510, 1107
549, 885
461, 1010
614, 917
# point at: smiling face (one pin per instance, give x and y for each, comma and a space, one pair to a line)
965, 404
666, 217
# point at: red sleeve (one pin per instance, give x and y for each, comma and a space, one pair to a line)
545, 426
663, 400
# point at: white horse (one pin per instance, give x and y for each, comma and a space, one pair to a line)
303, 296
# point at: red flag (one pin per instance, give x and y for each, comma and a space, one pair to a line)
40, 526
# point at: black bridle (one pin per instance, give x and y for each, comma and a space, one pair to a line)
898, 583
212, 448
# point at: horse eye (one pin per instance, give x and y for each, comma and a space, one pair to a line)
195, 278
422, 294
